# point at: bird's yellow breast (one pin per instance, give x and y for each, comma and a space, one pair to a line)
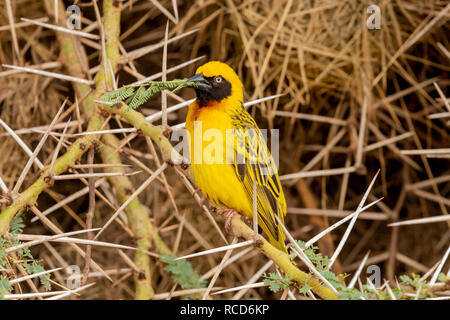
213, 172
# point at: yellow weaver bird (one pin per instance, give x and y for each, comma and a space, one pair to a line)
241, 165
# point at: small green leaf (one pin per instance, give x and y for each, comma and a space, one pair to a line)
182, 273
304, 290
442, 277
5, 287
135, 98
276, 282
16, 226
34, 267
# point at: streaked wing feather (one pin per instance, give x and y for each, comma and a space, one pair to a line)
253, 162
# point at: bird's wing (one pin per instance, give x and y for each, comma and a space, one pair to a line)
253, 163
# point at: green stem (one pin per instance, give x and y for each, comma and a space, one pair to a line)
282, 259
138, 220
30, 195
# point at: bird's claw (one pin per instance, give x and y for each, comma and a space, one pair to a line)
228, 214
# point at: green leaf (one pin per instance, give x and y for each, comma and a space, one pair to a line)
139, 98
442, 277
25, 258
182, 273
352, 294
5, 287
304, 290
414, 281
16, 226
398, 293
118, 95
276, 282
321, 262
33, 268
3, 253
134, 99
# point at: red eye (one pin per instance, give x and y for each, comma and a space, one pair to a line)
218, 79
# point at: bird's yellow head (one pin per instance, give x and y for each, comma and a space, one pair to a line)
216, 81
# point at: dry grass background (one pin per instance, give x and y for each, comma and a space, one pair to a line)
354, 100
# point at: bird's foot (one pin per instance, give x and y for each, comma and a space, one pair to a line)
228, 214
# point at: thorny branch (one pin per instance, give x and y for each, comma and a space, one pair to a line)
238, 227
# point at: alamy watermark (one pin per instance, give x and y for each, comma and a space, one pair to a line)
74, 17
74, 276
374, 275
374, 20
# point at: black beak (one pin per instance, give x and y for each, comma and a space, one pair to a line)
201, 82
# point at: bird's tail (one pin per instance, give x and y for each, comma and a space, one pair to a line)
279, 244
